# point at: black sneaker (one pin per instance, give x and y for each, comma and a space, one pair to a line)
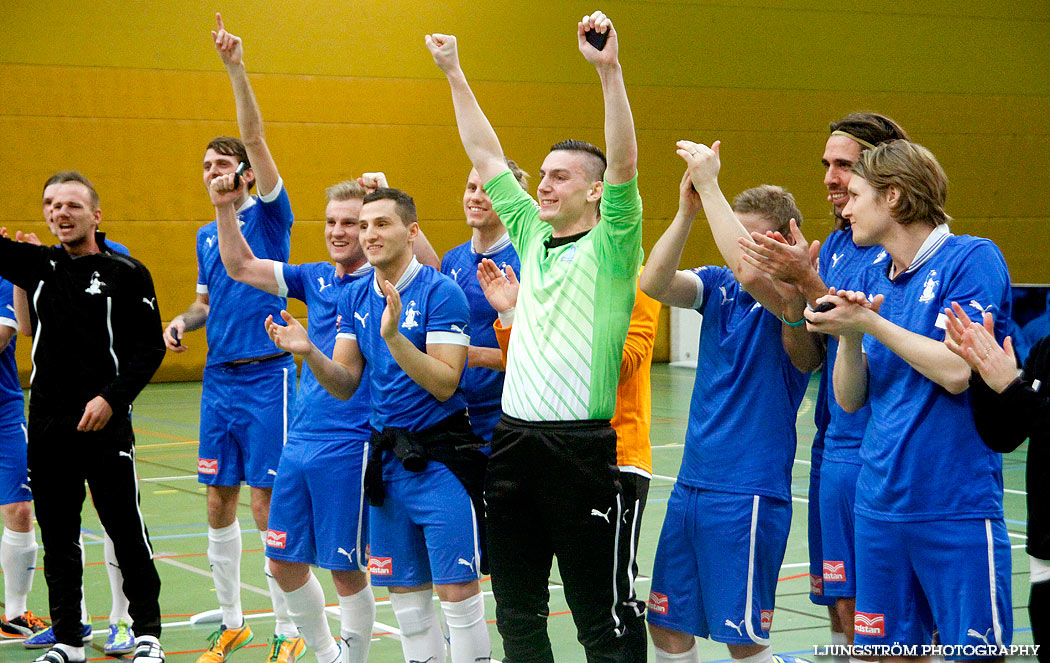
22, 626
147, 650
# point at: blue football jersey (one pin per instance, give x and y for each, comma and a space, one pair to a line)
11, 404
741, 432
483, 387
841, 264
319, 416
237, 310
433, 311
922, 457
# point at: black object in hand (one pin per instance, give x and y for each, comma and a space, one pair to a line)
241, 167
597, 39
824, 307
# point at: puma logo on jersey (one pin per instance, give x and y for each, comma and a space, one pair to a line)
358, 317
466, 563
322, 285
980, 309
125, 454
152, 302
272, 473
10, 308
603, 516
835, 257
96, 285
879, 258
455, 273
725, 296
983, 637
342, 551
739, 628
456, 328
209, 241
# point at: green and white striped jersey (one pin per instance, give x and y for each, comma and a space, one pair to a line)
573, 308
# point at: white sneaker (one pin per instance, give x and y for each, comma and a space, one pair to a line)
147, 650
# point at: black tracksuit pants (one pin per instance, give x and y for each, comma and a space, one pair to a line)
553, 488
60, 460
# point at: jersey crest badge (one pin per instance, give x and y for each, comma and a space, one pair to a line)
569, 255
410, 316
928, 286
96, 285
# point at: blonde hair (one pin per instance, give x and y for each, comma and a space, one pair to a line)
772, 202
348, 190
915, 173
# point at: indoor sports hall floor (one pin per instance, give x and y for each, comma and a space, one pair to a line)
173, 504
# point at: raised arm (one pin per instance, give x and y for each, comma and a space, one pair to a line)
237, 257
621, 147
661, 279
249, 118
475, 130
340, 375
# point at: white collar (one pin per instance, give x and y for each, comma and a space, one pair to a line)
410, 273
497, 246
934, 240
246, 206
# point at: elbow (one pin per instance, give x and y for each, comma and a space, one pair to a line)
957, 384
651, 285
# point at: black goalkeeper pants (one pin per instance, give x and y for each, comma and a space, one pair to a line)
60, 461
553, 489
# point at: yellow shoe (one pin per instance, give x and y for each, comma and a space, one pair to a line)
286, 650
224, 642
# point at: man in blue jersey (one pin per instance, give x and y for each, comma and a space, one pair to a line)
483, 379
931, 542
728, 517
405, 331
836, 446
317, 511
248, 389
18, 545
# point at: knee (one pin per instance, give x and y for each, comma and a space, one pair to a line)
349, 582
460, 591
222, 505
414, 611
261, 507
670, 640
18, 517
290, 576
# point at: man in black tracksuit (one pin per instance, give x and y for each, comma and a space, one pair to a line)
96, 344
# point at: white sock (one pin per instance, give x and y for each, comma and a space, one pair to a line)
83, 595
74, 654
306, 608
839, 638
691, 656
357, 616
283, 622
468, 634
764, 656
421, 638
119, 605
18, 561
224, 556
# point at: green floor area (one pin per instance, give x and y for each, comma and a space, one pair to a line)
173, 504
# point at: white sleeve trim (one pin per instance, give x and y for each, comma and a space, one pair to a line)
202, 288
278, 273
8, 322
942, 321
347, 335
447, 338
699, 288
272, 196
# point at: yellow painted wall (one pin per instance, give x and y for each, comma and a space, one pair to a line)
130, 92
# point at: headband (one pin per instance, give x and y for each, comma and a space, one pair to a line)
864, 143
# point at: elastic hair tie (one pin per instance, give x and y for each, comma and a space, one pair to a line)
839, 132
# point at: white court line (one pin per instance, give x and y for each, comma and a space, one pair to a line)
178, 478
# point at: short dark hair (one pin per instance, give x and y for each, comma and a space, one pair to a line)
64, 176
231, 147
403, 203
772, 202
599, 162
870, 127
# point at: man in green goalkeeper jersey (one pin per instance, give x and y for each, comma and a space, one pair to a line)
553, 487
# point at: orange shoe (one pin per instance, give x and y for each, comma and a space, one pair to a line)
22, 626
286, 650
224, 642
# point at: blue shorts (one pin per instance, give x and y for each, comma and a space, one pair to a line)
716, 567
14, 475
244, 422
838, 490
426, 530
814, 536
317, 511
952, 573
